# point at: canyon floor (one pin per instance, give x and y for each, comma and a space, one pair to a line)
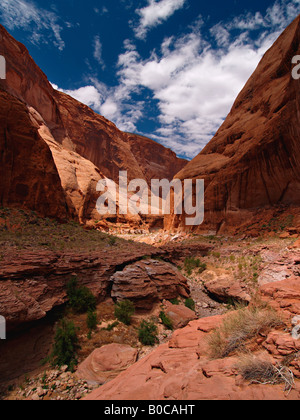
225, 275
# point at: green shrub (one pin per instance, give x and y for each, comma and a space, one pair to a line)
112, 241
81, 299
110, 327
190, 303
174, 301
148, 333
166, 321
65, 346
202, 268
92, 320
190, 263
124, 311
216, 254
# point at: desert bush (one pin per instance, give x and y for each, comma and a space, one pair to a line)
110, 327
124, 311
147, 333
256, 370
190, 303
65, 346
112, 241
166, 320
92, 320
174, 301
202, 268
240, 326
190, 263
81, 299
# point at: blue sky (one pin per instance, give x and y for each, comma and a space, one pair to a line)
167, 69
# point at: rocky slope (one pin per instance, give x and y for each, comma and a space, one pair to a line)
184, 368
85, 146
253, 161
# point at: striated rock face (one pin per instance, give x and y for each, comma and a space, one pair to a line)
156, 161
85, 146
78, 176
36, 282
147, 282
254, 159
28, 175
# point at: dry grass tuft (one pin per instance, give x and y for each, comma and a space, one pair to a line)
240, 326
259, 371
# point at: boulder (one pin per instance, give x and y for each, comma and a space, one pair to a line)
179, 315
222, 286
147, 282
106, 363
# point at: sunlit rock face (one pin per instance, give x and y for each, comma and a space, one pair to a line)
85, 146
253, 161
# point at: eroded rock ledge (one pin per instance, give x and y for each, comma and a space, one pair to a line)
33, 283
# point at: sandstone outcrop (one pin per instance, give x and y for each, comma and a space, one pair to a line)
222, 286
36, 282
179, 315
253, 161
106, 363
147, 282
181, 370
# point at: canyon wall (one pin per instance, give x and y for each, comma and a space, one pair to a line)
253, 161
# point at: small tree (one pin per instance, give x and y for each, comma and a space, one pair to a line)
124, 311
148, 333
65, 345
91, 320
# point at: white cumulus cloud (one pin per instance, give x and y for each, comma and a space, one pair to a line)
155, 13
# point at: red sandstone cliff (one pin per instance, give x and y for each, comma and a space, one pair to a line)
253, 161
156, 161
85, 146
28, 175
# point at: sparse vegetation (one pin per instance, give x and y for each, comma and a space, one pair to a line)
258, 371
112, 326
240, 326
124, 311
92, 320
112, 241
166, 320
66, 345
147, 333
24, 229
174, 301
190, 263
190, 303
81, 299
